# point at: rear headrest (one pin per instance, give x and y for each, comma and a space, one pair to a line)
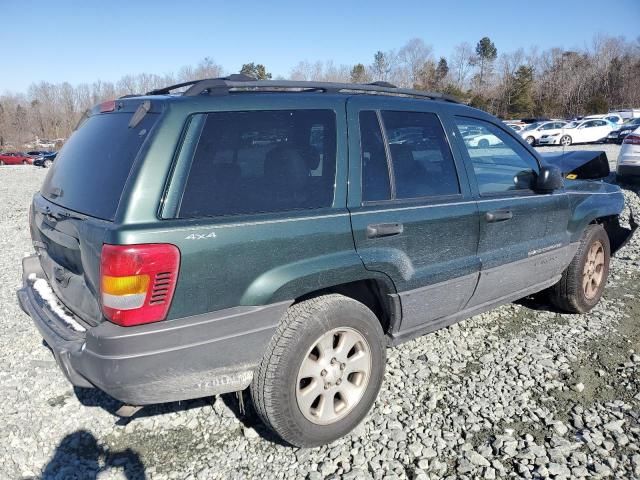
227, 172
401, 154
286, 163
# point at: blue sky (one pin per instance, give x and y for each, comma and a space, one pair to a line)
85, 41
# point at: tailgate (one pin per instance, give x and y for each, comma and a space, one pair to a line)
68, 245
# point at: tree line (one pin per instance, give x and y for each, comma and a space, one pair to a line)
512, 84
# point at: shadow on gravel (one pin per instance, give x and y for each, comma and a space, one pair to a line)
79, 456
90, 397
93, 397
249, 418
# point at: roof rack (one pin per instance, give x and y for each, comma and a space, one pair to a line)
239, 82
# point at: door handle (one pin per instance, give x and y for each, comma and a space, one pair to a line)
384, 229
498, 216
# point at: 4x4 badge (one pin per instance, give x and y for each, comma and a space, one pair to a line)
200, 236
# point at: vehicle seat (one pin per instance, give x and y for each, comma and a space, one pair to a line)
287, 169
410, 175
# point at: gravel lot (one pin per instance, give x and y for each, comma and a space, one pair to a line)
519, 391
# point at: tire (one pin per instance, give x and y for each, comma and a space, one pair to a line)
570, 293
484, 143
566, 140
1, 163
24, 162
530, 140
47, 163
279, 382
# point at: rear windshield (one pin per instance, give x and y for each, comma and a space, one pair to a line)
89, 173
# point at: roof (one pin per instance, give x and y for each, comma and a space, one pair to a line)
244, 83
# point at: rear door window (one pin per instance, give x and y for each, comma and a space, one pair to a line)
262, 161
423, 165
91, 170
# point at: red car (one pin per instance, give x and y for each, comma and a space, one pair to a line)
15, 158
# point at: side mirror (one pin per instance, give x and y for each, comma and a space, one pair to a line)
549, 179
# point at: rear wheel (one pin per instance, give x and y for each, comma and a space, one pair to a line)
583, 282
24, 162
47, 163
321, 372
530, 140
566, 140
483, 143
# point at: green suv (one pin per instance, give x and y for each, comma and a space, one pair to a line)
281, 235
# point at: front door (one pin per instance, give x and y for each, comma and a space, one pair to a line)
412, 214
524, 241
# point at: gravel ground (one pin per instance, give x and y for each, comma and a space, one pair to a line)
520, 391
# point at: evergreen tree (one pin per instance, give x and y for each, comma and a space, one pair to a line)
487, 53
522, 96
359, 74
442, 70
257, 71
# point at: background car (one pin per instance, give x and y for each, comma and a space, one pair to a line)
516, 126
585, 131
532, 133
45, 160
629, 156
481, 140
15, 158
619, 134
610, 117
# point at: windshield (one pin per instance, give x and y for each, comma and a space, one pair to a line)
571, 125
91, 170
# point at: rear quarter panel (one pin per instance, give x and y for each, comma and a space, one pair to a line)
590, 200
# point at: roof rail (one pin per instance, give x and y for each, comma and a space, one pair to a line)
239, 82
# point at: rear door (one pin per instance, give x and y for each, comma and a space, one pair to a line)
523, 234
412, 215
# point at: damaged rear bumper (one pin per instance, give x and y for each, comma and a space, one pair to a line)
165, 361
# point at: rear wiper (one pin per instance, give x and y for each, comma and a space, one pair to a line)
56, 192
140, 114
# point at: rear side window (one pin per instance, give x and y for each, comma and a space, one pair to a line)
91, 170
262, 161
423, 165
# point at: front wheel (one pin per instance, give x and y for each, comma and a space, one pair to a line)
582, 283
565, 140
47, 163
484, 143
24, 162
321, 372
530, 140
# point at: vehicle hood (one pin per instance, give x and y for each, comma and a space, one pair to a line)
579, 164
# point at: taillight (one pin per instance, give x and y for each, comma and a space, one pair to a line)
138, 281
632, 139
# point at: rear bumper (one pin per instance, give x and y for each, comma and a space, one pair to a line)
166, 361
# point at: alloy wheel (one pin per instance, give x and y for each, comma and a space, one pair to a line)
333, 376
593, 272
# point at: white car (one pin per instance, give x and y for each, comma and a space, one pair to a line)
481, 140
532, 133
515, 126
584, 131
629, 156
610, 117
